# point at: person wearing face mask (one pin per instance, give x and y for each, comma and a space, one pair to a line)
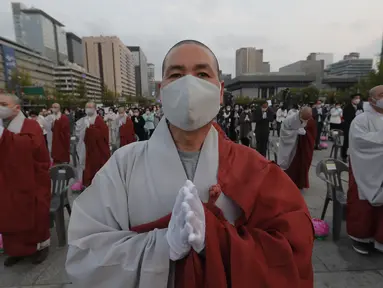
281, 116
149, 122
123, 130
365, 193
353, 108
245, 126
336, 114
93, 143
319, 114
60, 127
139, 124
296, 146
185, 207
263, 116
25, 186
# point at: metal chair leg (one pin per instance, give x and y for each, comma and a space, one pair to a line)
60, 227
326, 202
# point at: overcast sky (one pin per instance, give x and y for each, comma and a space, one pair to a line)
287, 30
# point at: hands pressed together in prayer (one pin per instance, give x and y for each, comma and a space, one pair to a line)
187, 223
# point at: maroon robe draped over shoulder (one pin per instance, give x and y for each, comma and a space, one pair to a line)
25, 189
270, 245
127, 134
364, 221
97, 149
299, 168
61, 140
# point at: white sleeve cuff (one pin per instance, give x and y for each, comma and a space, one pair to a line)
1, 131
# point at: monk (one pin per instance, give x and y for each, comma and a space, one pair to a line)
93, 134
123, 130
60, 135
365, 194
296, 146
25, 186
189, 208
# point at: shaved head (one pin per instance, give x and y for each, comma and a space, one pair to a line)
189, 42
90, 104
376, 91
306, 113
11, 103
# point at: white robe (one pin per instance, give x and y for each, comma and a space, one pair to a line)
116, 124
288, 140
138, 185
366, 154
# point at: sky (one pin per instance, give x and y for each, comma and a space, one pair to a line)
286, 30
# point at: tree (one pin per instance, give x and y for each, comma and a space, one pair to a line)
108, 97
19, 79
242, 100
81, 92
373, 79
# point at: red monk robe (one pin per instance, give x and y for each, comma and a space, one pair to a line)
25, 188
127, 134
61, 140
271, 243
97, 149
299, 168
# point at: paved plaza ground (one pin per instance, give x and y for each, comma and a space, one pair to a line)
336, 265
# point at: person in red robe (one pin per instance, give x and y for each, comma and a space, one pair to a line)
60, 135
246, 226
365, 193
25, 186
124, 133
96, 141
296, 146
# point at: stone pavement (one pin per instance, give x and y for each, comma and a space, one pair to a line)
335, 264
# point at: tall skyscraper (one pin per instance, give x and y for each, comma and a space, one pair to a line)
75, 49
249, 60
40, 32
151, 79
141, 71
109, 59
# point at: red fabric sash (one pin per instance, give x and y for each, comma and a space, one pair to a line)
270, 244
299, 168
97, 149
127, 134
61, 140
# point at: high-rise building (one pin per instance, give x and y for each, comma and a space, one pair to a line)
75, 49
69, 77
328, 58
151, 79
15, 56
40, 32
109, 59
141, 71
249, 60
351, 66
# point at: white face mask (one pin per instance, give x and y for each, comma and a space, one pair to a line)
356, 101
55, 110
190, 103
378, 103
5, 112
89, 111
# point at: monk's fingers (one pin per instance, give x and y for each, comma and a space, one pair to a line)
195, 222
185, 232
185, 209
189, 184
179, 199
195, 204
195, 239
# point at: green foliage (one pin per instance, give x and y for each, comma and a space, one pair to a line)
19, 78
108, 97
375, 78
242, 100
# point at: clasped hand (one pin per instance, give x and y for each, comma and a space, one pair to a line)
187, 224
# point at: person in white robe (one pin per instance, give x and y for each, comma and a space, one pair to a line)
116, 124
365, 194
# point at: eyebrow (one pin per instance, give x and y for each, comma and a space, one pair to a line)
183, 68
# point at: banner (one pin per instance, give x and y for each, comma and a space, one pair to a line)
9, 59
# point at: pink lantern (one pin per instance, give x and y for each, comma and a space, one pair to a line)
323, 145
321, 228
323, 138
77, 186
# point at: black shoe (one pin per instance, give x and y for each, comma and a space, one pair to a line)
40, 256
10, 261
361, 248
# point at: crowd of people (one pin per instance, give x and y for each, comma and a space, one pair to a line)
188, 204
